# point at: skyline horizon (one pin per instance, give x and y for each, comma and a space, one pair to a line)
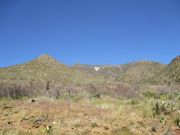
100, 64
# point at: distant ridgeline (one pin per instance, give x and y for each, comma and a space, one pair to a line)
45, 69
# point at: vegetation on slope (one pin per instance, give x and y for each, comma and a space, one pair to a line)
132, 72
140, 71
120, 80
44, 68
171, 73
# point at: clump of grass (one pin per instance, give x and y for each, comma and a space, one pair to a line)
46, 130
77, 123
177, 121
14, 132
162, 120
150, 94
134, 102
122, 131
94, 124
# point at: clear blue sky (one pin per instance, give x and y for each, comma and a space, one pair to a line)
89, 31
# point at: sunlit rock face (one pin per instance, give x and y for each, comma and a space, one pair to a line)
97, 69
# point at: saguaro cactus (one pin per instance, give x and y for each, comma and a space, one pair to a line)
48, 86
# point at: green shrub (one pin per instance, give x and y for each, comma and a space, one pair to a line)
162, 120
134, 102
177, 121
150, 94
94, 124
163, 107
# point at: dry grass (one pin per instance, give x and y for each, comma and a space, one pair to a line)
84, 117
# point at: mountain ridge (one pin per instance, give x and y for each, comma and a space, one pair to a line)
46, 68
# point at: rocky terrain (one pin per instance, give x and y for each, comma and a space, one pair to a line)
44, 96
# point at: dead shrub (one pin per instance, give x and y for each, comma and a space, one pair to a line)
15, 90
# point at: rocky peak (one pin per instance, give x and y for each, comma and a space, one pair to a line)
47, 59
177, 59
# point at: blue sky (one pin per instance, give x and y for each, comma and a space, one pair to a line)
89, 31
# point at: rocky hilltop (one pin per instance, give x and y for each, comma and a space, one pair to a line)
171, 73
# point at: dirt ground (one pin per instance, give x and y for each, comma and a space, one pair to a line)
84, 117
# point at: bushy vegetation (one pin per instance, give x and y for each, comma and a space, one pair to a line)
16, 90
164, 107
116, 81
170, 73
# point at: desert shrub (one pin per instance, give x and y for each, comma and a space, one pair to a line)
161, 88
113, 90
92, 89
134, 101
122, 131
161, 95
177, 121
54, 92
162, 120
150, 94
61, 91
163, 107
177, 95
94, 124
77, 123
15, 90
165, 96
125, 91
47, 130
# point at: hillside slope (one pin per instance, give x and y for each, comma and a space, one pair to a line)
44, 68
171, 73
140, 71
132, 72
